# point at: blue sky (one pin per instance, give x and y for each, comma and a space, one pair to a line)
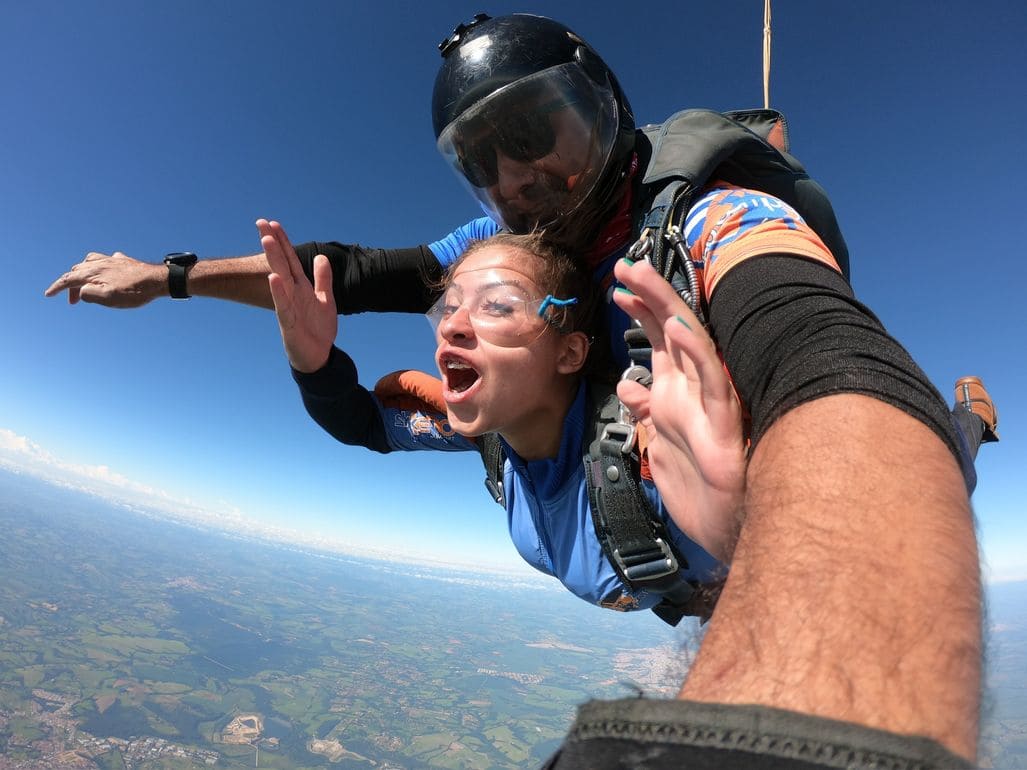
157, 127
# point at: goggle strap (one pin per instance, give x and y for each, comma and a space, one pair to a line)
551, 301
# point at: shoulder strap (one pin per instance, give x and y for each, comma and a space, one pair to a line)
492, 456
634, 540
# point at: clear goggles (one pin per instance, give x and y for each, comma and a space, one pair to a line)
558, 123
500, 307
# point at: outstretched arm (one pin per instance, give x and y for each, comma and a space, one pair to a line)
691, 414
308, 324
119, 281
854, 591
365, 279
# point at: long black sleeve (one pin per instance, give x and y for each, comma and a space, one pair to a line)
792, 331
379, 280
339, 404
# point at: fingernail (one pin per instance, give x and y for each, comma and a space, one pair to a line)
683, 321
628, 261
625, 290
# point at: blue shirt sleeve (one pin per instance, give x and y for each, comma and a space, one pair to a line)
353, 415
453, 245
410, 430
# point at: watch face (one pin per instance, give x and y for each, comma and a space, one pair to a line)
183, 258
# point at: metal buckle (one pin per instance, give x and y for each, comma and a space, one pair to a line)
638, 373
620, 431
647, 565
495, 489
641, 248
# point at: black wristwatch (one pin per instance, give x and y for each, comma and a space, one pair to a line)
179, 264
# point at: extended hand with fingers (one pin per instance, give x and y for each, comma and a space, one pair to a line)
114, 280
691, 415
306, 314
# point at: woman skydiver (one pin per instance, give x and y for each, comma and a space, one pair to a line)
514, 330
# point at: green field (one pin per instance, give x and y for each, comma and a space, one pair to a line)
134, 630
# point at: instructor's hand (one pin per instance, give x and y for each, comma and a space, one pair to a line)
113, 280
306, 314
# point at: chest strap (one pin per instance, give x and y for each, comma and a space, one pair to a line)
492, 457
634, 540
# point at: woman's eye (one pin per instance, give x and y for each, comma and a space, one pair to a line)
495, 307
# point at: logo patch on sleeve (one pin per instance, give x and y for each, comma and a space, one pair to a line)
421, 424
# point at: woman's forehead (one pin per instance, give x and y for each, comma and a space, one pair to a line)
496, 264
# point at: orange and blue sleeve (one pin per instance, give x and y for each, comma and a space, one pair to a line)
729, 225
405, 413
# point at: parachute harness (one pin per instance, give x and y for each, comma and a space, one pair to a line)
676, 266
674, 263
639, 546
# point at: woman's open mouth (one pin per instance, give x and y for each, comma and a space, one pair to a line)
459, 378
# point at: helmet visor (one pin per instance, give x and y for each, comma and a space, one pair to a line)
533, 150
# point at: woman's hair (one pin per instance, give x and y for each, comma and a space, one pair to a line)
557, 272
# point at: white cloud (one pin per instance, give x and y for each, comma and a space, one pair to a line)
1013, 572
11, 442
22, 455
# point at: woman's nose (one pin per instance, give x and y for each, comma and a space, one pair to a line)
457, 325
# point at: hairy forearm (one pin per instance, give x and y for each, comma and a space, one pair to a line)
364, 279
854, 592
239, 279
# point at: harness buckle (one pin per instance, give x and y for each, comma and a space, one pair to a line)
638, 373
622, 432
647, 565
641, 248
495, 489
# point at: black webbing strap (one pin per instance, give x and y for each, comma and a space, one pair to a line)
633, 539
671, 203
492, 457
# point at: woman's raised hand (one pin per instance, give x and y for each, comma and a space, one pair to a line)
696, 446
306, 314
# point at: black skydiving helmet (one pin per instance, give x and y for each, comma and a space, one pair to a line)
531, 150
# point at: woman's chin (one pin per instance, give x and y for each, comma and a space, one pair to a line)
466, 421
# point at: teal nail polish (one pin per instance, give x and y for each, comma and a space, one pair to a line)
684, 322
625, 290
628, 261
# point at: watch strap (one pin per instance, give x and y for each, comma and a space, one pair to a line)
179, 264
177, 285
